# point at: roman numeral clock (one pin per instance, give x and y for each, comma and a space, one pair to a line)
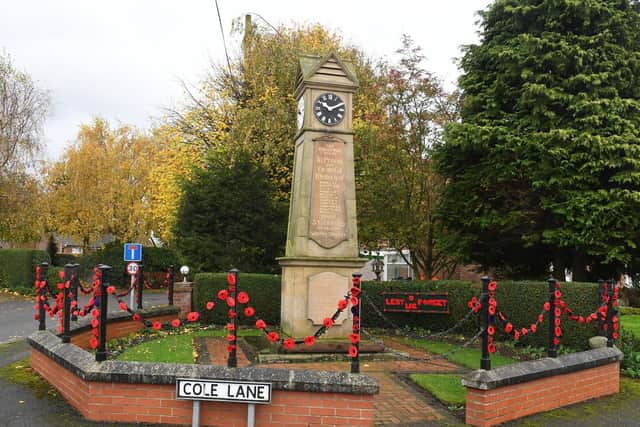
322, 236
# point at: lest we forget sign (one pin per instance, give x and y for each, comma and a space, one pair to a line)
416, 302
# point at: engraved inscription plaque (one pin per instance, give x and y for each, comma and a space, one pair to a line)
328, 222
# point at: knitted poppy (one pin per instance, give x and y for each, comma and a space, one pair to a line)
231, 337
355, 291
491, 330
136, 316
95, 332
249, 311
232, 313
557, 321
310, 340
493, 285
230, 327
547, 306
556, 341
557, 294
492, 310
61, 274
223, 294
353, 351
94, 343
534, 328
354, 301
175, 323
327, 322
557, 331
580, 319
95, 323
231, 279
94, 312
157, 326
615, 335
288, 343
342, 304
231, 302
557, 312
492, 348
210, 305
111, 290
273, 336
260, 324
123, 306
516, 335
193, 316
230, 348
354, 338
243, 297
508, 328
524, 331
36, 316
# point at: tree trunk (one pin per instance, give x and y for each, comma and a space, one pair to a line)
579, 266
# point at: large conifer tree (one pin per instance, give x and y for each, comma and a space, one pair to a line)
545, 164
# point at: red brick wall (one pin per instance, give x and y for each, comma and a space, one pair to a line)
117, 329
490, 407
152, 403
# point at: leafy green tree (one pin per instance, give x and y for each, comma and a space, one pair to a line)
544, 166
229, 217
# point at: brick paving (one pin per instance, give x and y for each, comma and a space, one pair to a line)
398, 403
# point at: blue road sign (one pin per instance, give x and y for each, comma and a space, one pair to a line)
133, 252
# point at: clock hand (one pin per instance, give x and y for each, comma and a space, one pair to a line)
334, 107
324, 104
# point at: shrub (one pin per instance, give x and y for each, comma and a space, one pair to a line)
263, 290
17, 267
60, 260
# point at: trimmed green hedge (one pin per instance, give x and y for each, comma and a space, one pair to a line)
521, 302
17, 267
263, 289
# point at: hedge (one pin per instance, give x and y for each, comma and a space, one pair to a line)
521, 302
263, 290
17, 267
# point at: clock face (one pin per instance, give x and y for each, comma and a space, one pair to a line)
300, 112
329, 109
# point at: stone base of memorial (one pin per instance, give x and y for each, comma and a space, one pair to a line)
515, 391
183, 296
138, 392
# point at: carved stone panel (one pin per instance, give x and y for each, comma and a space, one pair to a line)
324, 291
328, 216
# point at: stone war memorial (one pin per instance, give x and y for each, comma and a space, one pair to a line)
322, 237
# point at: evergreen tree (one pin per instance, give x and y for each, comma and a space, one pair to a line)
545, 164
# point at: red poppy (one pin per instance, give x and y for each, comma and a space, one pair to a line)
210, 305
557, 331
354, 338
94, 343
94, 312
556, 341
223, 294
615, 327
580, 319
557, 312
59, 329
615, 335
95, 332
231, 337
356, 280
354, 301
232, 313
230, 327
288, 343
249, 311
534, 328
508, 328
310, 340
36, 316
524, 331
157, 326
230, 348
492, 348
260, 324
547, 306
95, 323
111, 290
342, 304
193, 316
243, 297
273, 336
355, 292
493, 285
231, 302
353, 351
123, 306
516, 335
175, 323
38, 269
61, 274
557, 294
492, 310
492, 302
491, 330
136, 316
231, 279
557, 321
327, 322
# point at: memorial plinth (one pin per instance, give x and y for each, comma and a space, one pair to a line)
322, 237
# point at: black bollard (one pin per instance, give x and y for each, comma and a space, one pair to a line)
485, 360
552, 350
140, 285
70, 272
232, 362
101, 354
171, 274
610, 312
355, 311
42, 297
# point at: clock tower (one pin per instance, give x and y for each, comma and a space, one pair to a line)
322, 236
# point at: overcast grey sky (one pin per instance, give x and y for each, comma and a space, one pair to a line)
124, 59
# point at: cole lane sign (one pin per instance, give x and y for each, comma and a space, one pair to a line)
223, 391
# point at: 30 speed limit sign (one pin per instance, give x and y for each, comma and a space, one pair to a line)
132, 268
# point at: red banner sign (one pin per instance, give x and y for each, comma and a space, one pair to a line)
416, 302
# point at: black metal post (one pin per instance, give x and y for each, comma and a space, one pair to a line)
140, 285
42, 296
609, 321
70, 271
552, 351
355, 311
485, 360
170, 284
232, 362
101, 354
75, 283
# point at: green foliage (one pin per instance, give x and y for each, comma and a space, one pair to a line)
629, 344
229, 218
18, 266
468, 357
263, 290
544, 164
447, 388
155, 262
61, 260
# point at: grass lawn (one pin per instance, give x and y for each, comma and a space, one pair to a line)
447, 388
467, 357
174, 348
631, 323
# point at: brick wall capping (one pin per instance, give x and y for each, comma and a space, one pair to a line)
182, 286
83, 364
84, 323
542, 368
